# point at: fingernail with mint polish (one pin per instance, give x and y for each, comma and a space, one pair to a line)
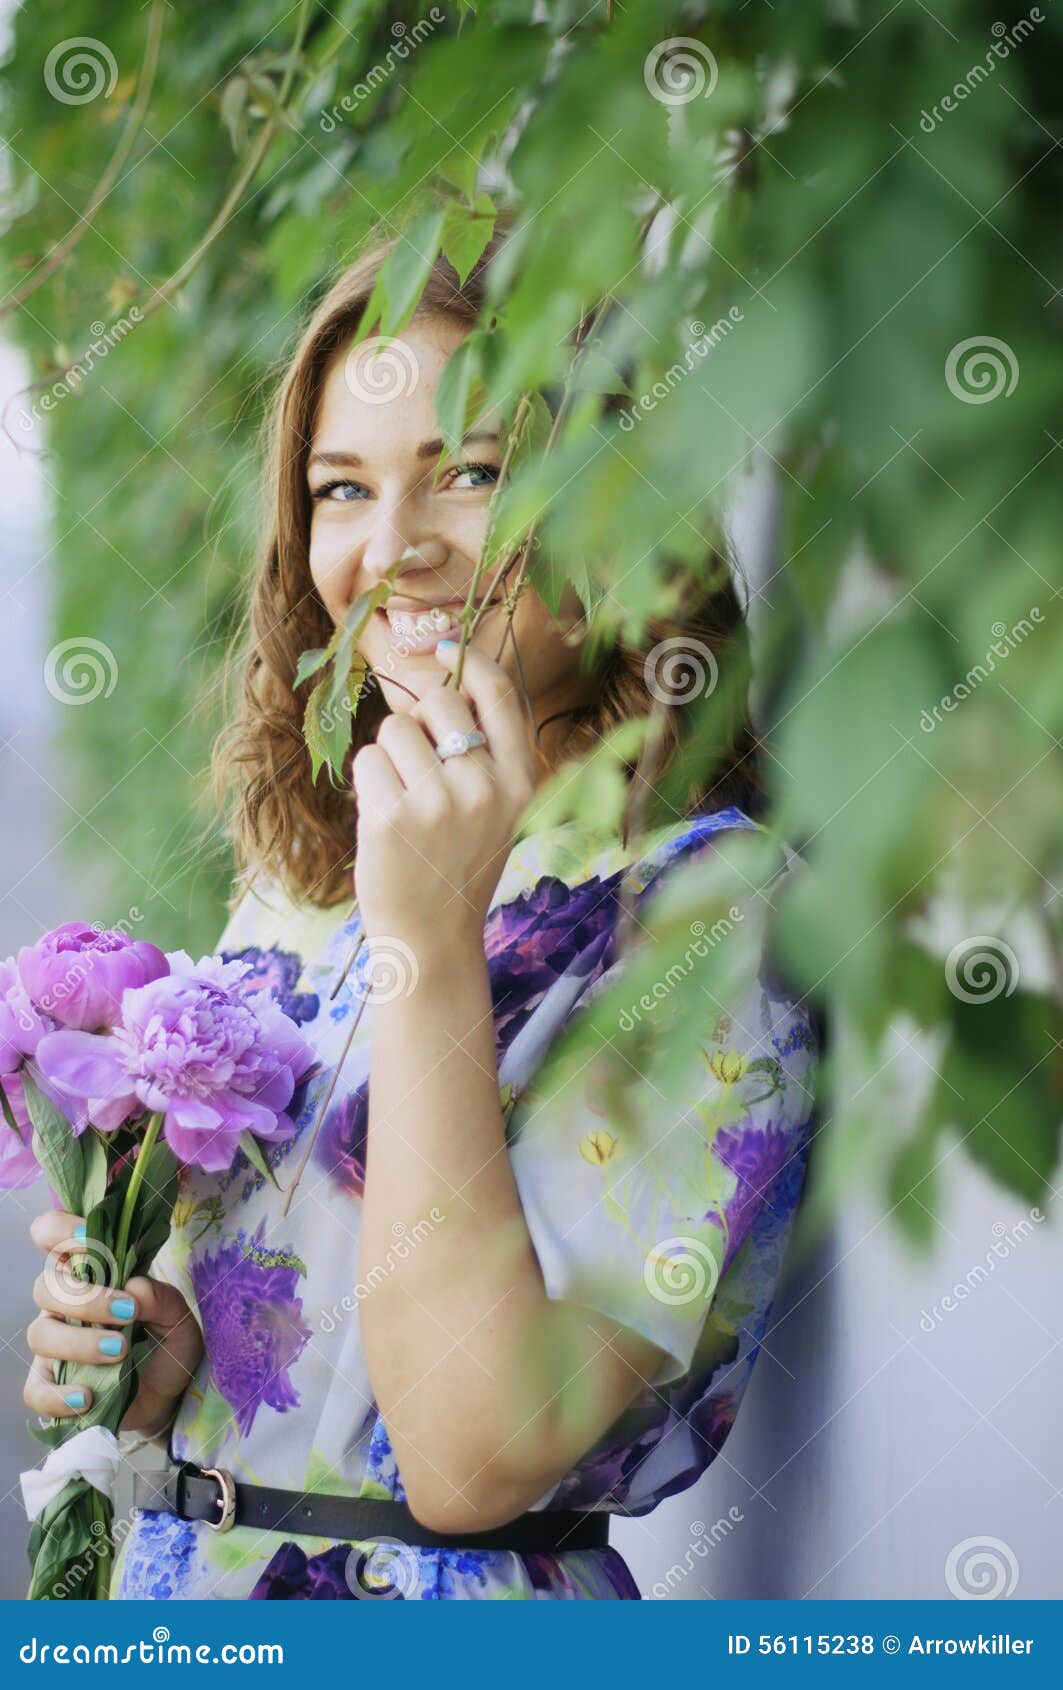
111, 1345
75, 1399
446, 645
123, 1308
79, 1235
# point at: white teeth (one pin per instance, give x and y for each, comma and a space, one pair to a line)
425, 622
418, 626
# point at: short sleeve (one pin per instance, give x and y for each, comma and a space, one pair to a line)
678, 1105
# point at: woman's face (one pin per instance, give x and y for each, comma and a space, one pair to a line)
377, 501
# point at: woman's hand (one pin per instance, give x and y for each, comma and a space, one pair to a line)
103, 1340
433, 836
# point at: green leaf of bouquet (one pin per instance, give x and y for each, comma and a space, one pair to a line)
5, 1106
253, 1151
154, 1212
63, 1547
94, 1153
56, 1148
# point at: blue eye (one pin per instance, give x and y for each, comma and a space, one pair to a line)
488, 471
341, 492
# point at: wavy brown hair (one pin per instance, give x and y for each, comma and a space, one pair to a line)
302, 835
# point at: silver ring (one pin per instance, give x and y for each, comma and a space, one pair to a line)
456, 744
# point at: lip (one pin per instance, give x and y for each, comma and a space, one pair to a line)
421, 625
425, 604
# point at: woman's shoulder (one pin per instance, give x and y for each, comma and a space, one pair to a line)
577, 852
262, 915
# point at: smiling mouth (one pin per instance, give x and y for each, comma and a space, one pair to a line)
415, 631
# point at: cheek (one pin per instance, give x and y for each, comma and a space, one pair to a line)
545, 658
330, 546
463, 530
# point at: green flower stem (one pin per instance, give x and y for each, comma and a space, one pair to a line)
136, 1180
104, 1548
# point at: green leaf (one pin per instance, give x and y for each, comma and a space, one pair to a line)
94, 1153
460, 169
309, 664
5, 1106
509, 517
466, 232
56, 1148
461, 394
234, 111
406, 271
253, 1151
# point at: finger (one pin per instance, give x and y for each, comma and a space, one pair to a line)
57, 1230
55, 1340
497, 703
447, 711
58, 1292
377, 787
41, 1393
160, 1306
413, 756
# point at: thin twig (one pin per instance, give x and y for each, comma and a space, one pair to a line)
131, 128
163, 294
326, 1100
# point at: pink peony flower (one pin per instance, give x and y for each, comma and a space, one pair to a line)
18, 1165
215, 1063
21, 1025
77, 974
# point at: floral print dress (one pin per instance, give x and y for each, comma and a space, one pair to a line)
669, 1214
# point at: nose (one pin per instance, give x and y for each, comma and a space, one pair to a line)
397, 536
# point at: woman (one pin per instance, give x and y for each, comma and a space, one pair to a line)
458, 1325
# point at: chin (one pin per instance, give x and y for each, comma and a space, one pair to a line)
420, 673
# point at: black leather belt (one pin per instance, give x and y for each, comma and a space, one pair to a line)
212, 1495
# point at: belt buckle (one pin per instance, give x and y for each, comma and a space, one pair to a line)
226, 1501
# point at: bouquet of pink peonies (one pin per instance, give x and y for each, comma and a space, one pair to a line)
119, 1064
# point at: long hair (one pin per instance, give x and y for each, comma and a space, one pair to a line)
302, 835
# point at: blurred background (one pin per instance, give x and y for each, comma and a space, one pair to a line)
898, 1439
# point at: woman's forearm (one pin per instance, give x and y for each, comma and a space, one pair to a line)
458, 1333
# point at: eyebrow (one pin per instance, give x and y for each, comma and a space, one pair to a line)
427, 449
